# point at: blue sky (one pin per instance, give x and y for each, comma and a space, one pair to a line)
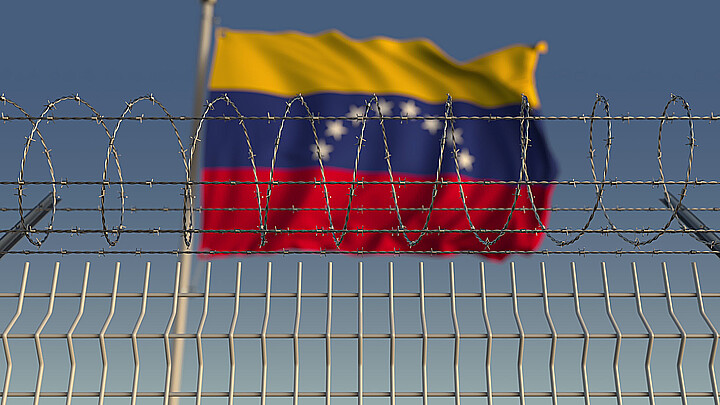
634, 53
630, 52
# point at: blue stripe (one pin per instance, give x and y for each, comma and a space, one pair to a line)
495, 145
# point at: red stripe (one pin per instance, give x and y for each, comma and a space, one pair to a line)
368, 196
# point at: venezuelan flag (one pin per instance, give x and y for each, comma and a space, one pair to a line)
337, 76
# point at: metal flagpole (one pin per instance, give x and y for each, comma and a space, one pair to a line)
186, 259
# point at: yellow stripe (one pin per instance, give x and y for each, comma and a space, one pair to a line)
288, 63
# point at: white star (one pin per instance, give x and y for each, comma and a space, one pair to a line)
465, 160
356, 112
323, 148
336, 129
458, 136
431, 126
384, 106
409, 109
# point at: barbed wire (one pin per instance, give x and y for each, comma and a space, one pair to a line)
394, 231
542, 252
583, 118
400, 182
599, 183
361, 209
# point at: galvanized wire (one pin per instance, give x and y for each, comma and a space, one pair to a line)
582, 117
713, 350
360, 252
586, 334
71, 348
650, 333
36, 336
319, 231
6, 344
618, 336
571, 300
374, 209
521, 340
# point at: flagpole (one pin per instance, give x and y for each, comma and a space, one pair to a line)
186, 258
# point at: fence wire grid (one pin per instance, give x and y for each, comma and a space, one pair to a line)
390, 335
635, 239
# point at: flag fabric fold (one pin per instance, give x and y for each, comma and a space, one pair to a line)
347, 79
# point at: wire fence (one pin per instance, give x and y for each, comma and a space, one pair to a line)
393, 334
338, 223
414, 334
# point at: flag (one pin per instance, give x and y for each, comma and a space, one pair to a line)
345, 78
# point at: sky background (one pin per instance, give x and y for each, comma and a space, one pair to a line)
634, 53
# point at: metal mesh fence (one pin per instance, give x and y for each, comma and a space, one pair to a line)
366, 335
